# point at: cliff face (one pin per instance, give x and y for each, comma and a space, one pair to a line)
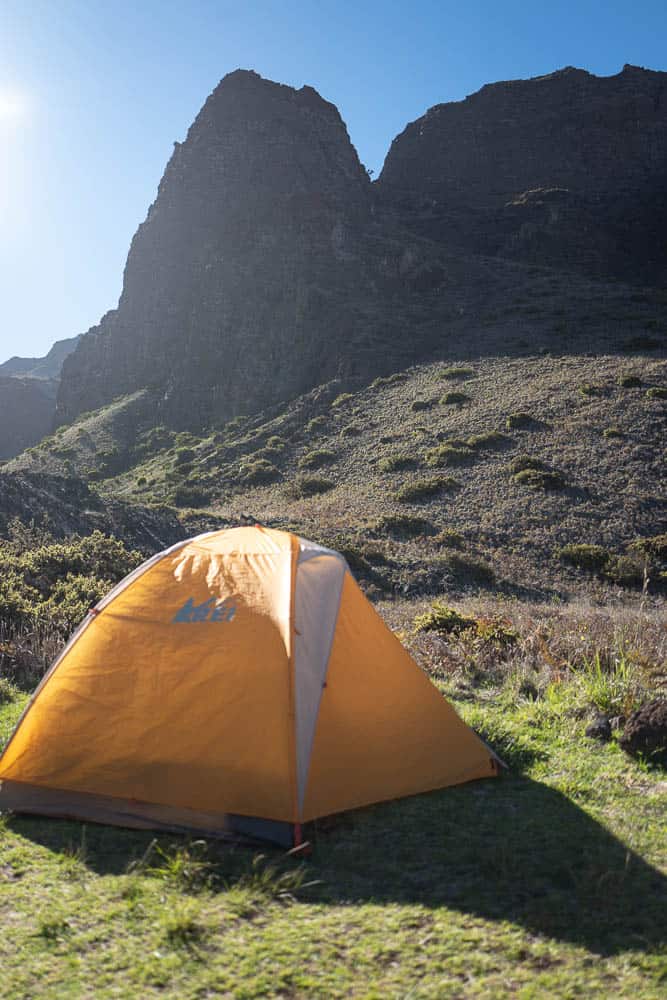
567, 169
269, 264
242, 285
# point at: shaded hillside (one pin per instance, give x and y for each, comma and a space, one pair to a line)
28, 389
27, 406
269, 264
567, 169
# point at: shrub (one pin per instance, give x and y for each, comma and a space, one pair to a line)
656, 392
341, 399
309, 486
317, 458
394, 463
188, 496
352, 430
425, 489
442, 619
453, 398
450, 539
404, 526
629, 381
470, 570
613, 432
542, 480
523, 462
449, 454
519, 421
491, 439
388, 380
655, 545
422, 404
258, 471
455, 372
316, 424
589, 389
592, 558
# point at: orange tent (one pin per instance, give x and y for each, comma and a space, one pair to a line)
238, 680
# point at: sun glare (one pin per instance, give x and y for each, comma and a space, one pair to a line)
12, 105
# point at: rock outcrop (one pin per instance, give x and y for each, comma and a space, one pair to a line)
567, 169
269, 263
254, 276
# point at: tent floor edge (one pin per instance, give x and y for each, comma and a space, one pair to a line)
22, 798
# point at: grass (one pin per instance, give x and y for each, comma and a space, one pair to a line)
549, 881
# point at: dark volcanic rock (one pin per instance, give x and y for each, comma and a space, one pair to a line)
646, 730
268, 264
599, 729
27, 406
567, 169
252, 278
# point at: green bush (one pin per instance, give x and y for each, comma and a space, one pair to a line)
654, 546
184, 455
404, 526
592, 558
388, 380
453, 398
542, 480
422, 404
523, 462
394, 463
449, 454
341, 399
455, 372
491, 439
450, 539
316, 424
656, 392
188, 496
309, 486
258, 471
317, 458
519, 421
589, 389
442, 619
352, 430
613, 433
425, 489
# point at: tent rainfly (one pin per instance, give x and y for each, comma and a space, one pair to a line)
238, 681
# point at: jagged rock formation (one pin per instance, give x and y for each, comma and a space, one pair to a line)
269, 264
567, 169
255, 275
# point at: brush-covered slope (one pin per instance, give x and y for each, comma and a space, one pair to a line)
568, 169
443, 475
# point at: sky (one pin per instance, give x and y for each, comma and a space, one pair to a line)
93, 94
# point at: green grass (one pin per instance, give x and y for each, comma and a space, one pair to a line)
546, 882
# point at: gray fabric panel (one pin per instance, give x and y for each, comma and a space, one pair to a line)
319, 583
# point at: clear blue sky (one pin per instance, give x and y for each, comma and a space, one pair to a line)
94, 92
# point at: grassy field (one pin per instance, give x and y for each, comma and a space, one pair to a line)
551, 881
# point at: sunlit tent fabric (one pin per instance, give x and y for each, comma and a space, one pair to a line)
238, 680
